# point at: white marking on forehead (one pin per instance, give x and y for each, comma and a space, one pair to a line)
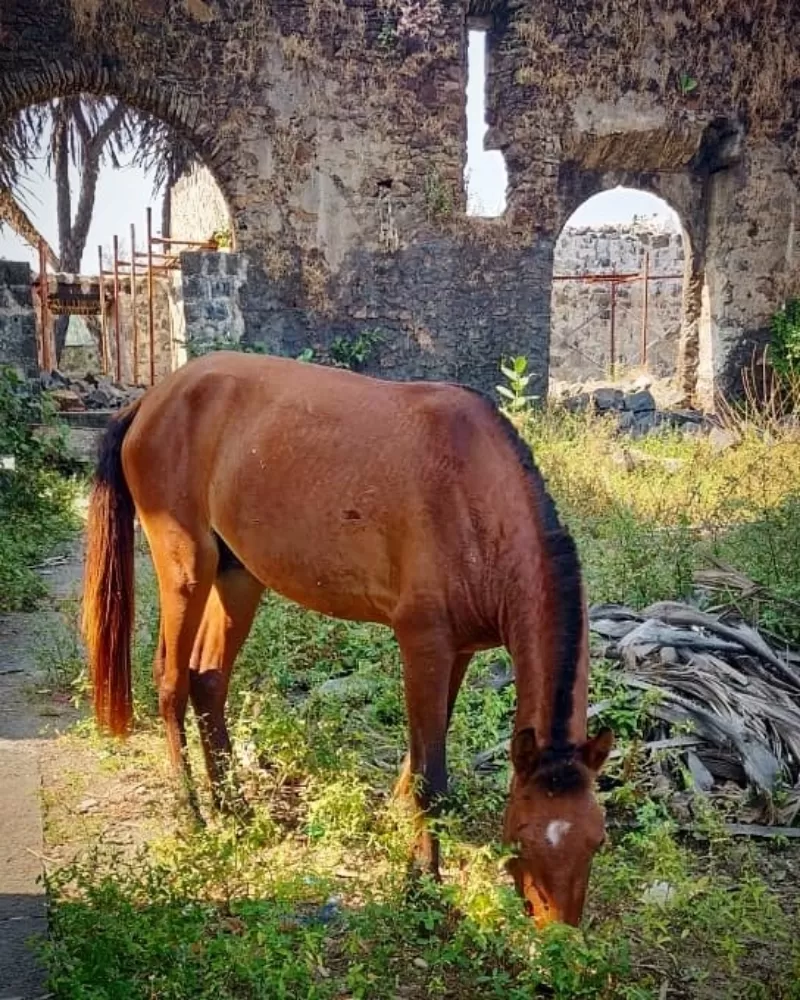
555, 831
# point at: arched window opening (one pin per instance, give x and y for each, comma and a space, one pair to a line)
617, 299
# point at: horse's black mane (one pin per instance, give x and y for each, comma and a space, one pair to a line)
559, 766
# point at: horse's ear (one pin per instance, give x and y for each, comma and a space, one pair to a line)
595, 751
524, 752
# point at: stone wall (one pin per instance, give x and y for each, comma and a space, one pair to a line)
581, 312
17, 318
337, 134
210, 292
198, 208
437, 309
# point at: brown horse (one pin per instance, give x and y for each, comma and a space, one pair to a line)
415, 505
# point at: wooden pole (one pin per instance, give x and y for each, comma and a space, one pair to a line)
613, 329
117, 342
645, 305
150, 318
103, 330
134, 322
47, 362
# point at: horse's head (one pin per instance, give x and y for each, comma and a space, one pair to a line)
555, 823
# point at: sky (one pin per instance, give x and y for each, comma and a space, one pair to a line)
123, 195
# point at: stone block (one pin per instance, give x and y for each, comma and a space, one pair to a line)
607, 398
640, 401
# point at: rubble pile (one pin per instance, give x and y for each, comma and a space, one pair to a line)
93, 392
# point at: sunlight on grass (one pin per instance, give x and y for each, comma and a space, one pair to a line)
311, 901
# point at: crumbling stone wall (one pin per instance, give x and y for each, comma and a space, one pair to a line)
17, 318
689, 100
581, 312
210, 293
336, 132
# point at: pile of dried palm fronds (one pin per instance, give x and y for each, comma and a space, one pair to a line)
717, 695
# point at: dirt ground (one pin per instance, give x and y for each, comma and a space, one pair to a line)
59, 791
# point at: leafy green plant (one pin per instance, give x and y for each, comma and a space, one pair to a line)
354, 352
387, 36
36, 500
785, 343
223, 238
687, 84
514, 395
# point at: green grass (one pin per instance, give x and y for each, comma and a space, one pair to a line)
312, 900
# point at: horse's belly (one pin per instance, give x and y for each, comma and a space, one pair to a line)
343, 572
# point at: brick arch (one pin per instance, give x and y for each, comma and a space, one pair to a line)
181, 111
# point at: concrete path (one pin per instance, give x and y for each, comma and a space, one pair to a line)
22, 899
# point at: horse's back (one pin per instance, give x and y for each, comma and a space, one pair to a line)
333, 488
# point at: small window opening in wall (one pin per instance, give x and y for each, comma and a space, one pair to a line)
485, 176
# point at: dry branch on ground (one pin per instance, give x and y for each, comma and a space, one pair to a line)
717, 695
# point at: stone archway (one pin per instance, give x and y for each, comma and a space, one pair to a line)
639, 319
685, 193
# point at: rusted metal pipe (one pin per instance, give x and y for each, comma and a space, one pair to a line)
134, 321
150, 317
117, 338
103, 330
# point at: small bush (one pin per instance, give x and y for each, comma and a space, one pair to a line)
36, 500
785, 353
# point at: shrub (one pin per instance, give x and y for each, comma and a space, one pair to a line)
36, 500
785, 353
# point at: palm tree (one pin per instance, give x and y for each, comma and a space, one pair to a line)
87, 133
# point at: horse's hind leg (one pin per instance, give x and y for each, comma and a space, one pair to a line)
228, 615
185, 565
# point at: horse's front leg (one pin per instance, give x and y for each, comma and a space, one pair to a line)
402, 788
428, 661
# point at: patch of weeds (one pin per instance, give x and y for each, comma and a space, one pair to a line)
60, 654
197, 348
439, 200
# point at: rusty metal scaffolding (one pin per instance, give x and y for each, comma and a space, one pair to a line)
614, 280
154, 262
68, 298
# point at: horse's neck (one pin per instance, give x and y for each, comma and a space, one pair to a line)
531, 642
